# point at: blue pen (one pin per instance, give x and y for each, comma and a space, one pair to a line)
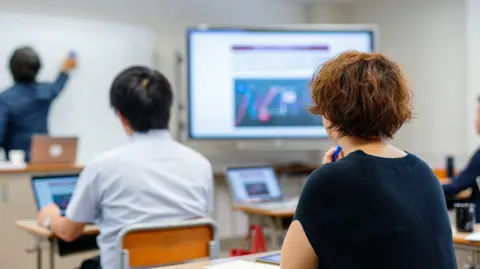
336, 153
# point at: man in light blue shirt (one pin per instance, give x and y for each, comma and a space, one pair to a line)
150, 179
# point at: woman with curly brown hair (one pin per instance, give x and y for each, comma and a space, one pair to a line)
376, 206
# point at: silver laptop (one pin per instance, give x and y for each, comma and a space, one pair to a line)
56, 189
257, 186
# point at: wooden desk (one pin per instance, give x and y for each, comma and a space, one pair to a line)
459, 238
202, 264
42, 168
468, 246
265, 211
17, 202
32, 227
42, 235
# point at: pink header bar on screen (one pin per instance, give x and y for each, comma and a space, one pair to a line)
287, 47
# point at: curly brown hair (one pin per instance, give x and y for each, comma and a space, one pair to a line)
363, 95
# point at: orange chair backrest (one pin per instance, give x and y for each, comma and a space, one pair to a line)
441, 173
167, 246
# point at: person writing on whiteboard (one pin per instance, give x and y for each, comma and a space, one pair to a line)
150, 179
24, 106
376, 206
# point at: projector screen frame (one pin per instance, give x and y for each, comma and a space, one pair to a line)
344, 28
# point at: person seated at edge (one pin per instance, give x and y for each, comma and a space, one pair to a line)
150, 179
468, 177
377, 206
24, 106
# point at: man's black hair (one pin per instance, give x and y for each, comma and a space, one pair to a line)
24, 65
144, 97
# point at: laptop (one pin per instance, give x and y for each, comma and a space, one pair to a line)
54, 189
53, 150
257, 185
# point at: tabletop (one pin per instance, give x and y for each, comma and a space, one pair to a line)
41, 168
459, 238
31, 226
202, 264
286, 212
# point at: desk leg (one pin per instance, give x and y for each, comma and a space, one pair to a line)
52, 253
275, 224
37, 249
39, 258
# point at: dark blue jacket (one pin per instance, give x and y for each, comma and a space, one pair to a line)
24, 112
467, 179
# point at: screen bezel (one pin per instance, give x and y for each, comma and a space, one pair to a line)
247, 167
371, 29
35, 178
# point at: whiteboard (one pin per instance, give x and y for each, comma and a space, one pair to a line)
103, 49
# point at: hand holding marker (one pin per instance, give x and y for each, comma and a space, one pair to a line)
337, 153
70, 62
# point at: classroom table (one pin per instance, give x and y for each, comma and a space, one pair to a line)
202, 264
17, 202
471, 247
42, 235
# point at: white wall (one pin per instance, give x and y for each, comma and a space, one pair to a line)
473, 71
428, 38
329, 12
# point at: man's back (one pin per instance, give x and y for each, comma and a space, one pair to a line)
151, 179
24, 112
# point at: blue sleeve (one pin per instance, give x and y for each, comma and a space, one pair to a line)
466, 179
84, 207
58, 85
3, 123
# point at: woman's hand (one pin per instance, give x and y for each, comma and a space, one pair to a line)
329, 155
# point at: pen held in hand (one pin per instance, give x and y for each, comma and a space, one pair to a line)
336, 153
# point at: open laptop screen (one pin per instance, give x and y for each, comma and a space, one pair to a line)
254, 183
54, 189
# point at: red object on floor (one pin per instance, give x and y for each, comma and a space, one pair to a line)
257, 238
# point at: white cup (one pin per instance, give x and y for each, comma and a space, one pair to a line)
17, 157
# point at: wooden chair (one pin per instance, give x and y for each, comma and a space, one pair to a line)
146, 245
441, 173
